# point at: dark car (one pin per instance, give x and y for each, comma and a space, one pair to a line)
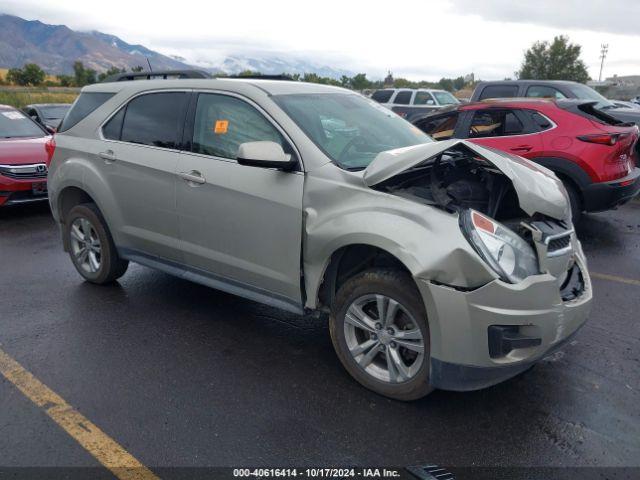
556, 89
49, 115
591, 152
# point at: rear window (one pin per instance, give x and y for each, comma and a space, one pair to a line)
403, 98
495, 123
85, 104
499, 91
382, 96
154, 119
15, 124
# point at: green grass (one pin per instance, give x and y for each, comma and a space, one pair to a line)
24, 96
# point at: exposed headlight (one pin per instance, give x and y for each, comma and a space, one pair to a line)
507, 253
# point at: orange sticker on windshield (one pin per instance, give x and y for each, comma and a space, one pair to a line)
221, 126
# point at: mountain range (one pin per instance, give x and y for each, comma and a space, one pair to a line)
56, 47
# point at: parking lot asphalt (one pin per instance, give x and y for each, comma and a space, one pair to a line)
183, 375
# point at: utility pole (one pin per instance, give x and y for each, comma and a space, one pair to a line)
604, 48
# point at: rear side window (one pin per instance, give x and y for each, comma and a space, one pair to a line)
495, 123
422, 98
155, 119
85, 104
542, 91
113, 129
382, 96
541, 122
499, 91
403, 98
222, 123
441, 127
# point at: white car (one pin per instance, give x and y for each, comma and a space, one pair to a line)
410, 102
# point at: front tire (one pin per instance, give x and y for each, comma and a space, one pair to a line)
575, 201
91, 246
379, 330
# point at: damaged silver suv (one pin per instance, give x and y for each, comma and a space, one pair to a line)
441, 264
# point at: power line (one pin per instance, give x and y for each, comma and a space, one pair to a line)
604, 49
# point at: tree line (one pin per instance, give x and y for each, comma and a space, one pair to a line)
556, 60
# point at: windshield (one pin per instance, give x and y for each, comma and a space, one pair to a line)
587, 93
14, 124
54, 113
445, 98
348, 128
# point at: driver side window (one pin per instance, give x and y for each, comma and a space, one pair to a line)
423, 98
222, 123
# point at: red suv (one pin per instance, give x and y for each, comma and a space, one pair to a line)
26, 149
590, 151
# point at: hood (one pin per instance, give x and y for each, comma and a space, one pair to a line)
538, 189
21, 151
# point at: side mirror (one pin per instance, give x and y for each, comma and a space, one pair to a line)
265, 155
430, 102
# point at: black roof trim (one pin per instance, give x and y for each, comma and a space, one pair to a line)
262, 77
161, 74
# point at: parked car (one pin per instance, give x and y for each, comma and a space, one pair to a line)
556, 89
624, 104
25, 152
442, 264
409, 102
592, 153
49, 115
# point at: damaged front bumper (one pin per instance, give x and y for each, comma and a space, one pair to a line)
482, 337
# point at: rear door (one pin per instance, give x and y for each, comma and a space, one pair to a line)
240, 226
139, 159
510, 130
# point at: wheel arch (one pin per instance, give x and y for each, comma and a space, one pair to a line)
347, 261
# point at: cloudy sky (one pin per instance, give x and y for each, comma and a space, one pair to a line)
418, 39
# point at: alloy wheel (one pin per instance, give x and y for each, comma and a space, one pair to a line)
85, 245
383, 338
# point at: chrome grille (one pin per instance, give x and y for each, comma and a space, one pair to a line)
24, 172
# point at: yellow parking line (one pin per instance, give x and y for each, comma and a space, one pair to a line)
106, 450
615, 278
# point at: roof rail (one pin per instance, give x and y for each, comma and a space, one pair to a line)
162, 74
283, 76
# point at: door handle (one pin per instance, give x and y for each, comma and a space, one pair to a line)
108, 156
193, 177
522, 148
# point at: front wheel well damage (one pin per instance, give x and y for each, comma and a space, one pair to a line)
349, 261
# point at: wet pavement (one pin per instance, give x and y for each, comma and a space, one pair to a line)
183, 375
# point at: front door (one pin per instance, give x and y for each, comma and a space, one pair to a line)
240, 226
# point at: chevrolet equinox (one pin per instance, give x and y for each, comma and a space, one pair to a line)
441, 264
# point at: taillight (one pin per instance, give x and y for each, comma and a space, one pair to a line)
50, 148
601, 138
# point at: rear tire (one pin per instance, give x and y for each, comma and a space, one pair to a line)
91, 246
389, 352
